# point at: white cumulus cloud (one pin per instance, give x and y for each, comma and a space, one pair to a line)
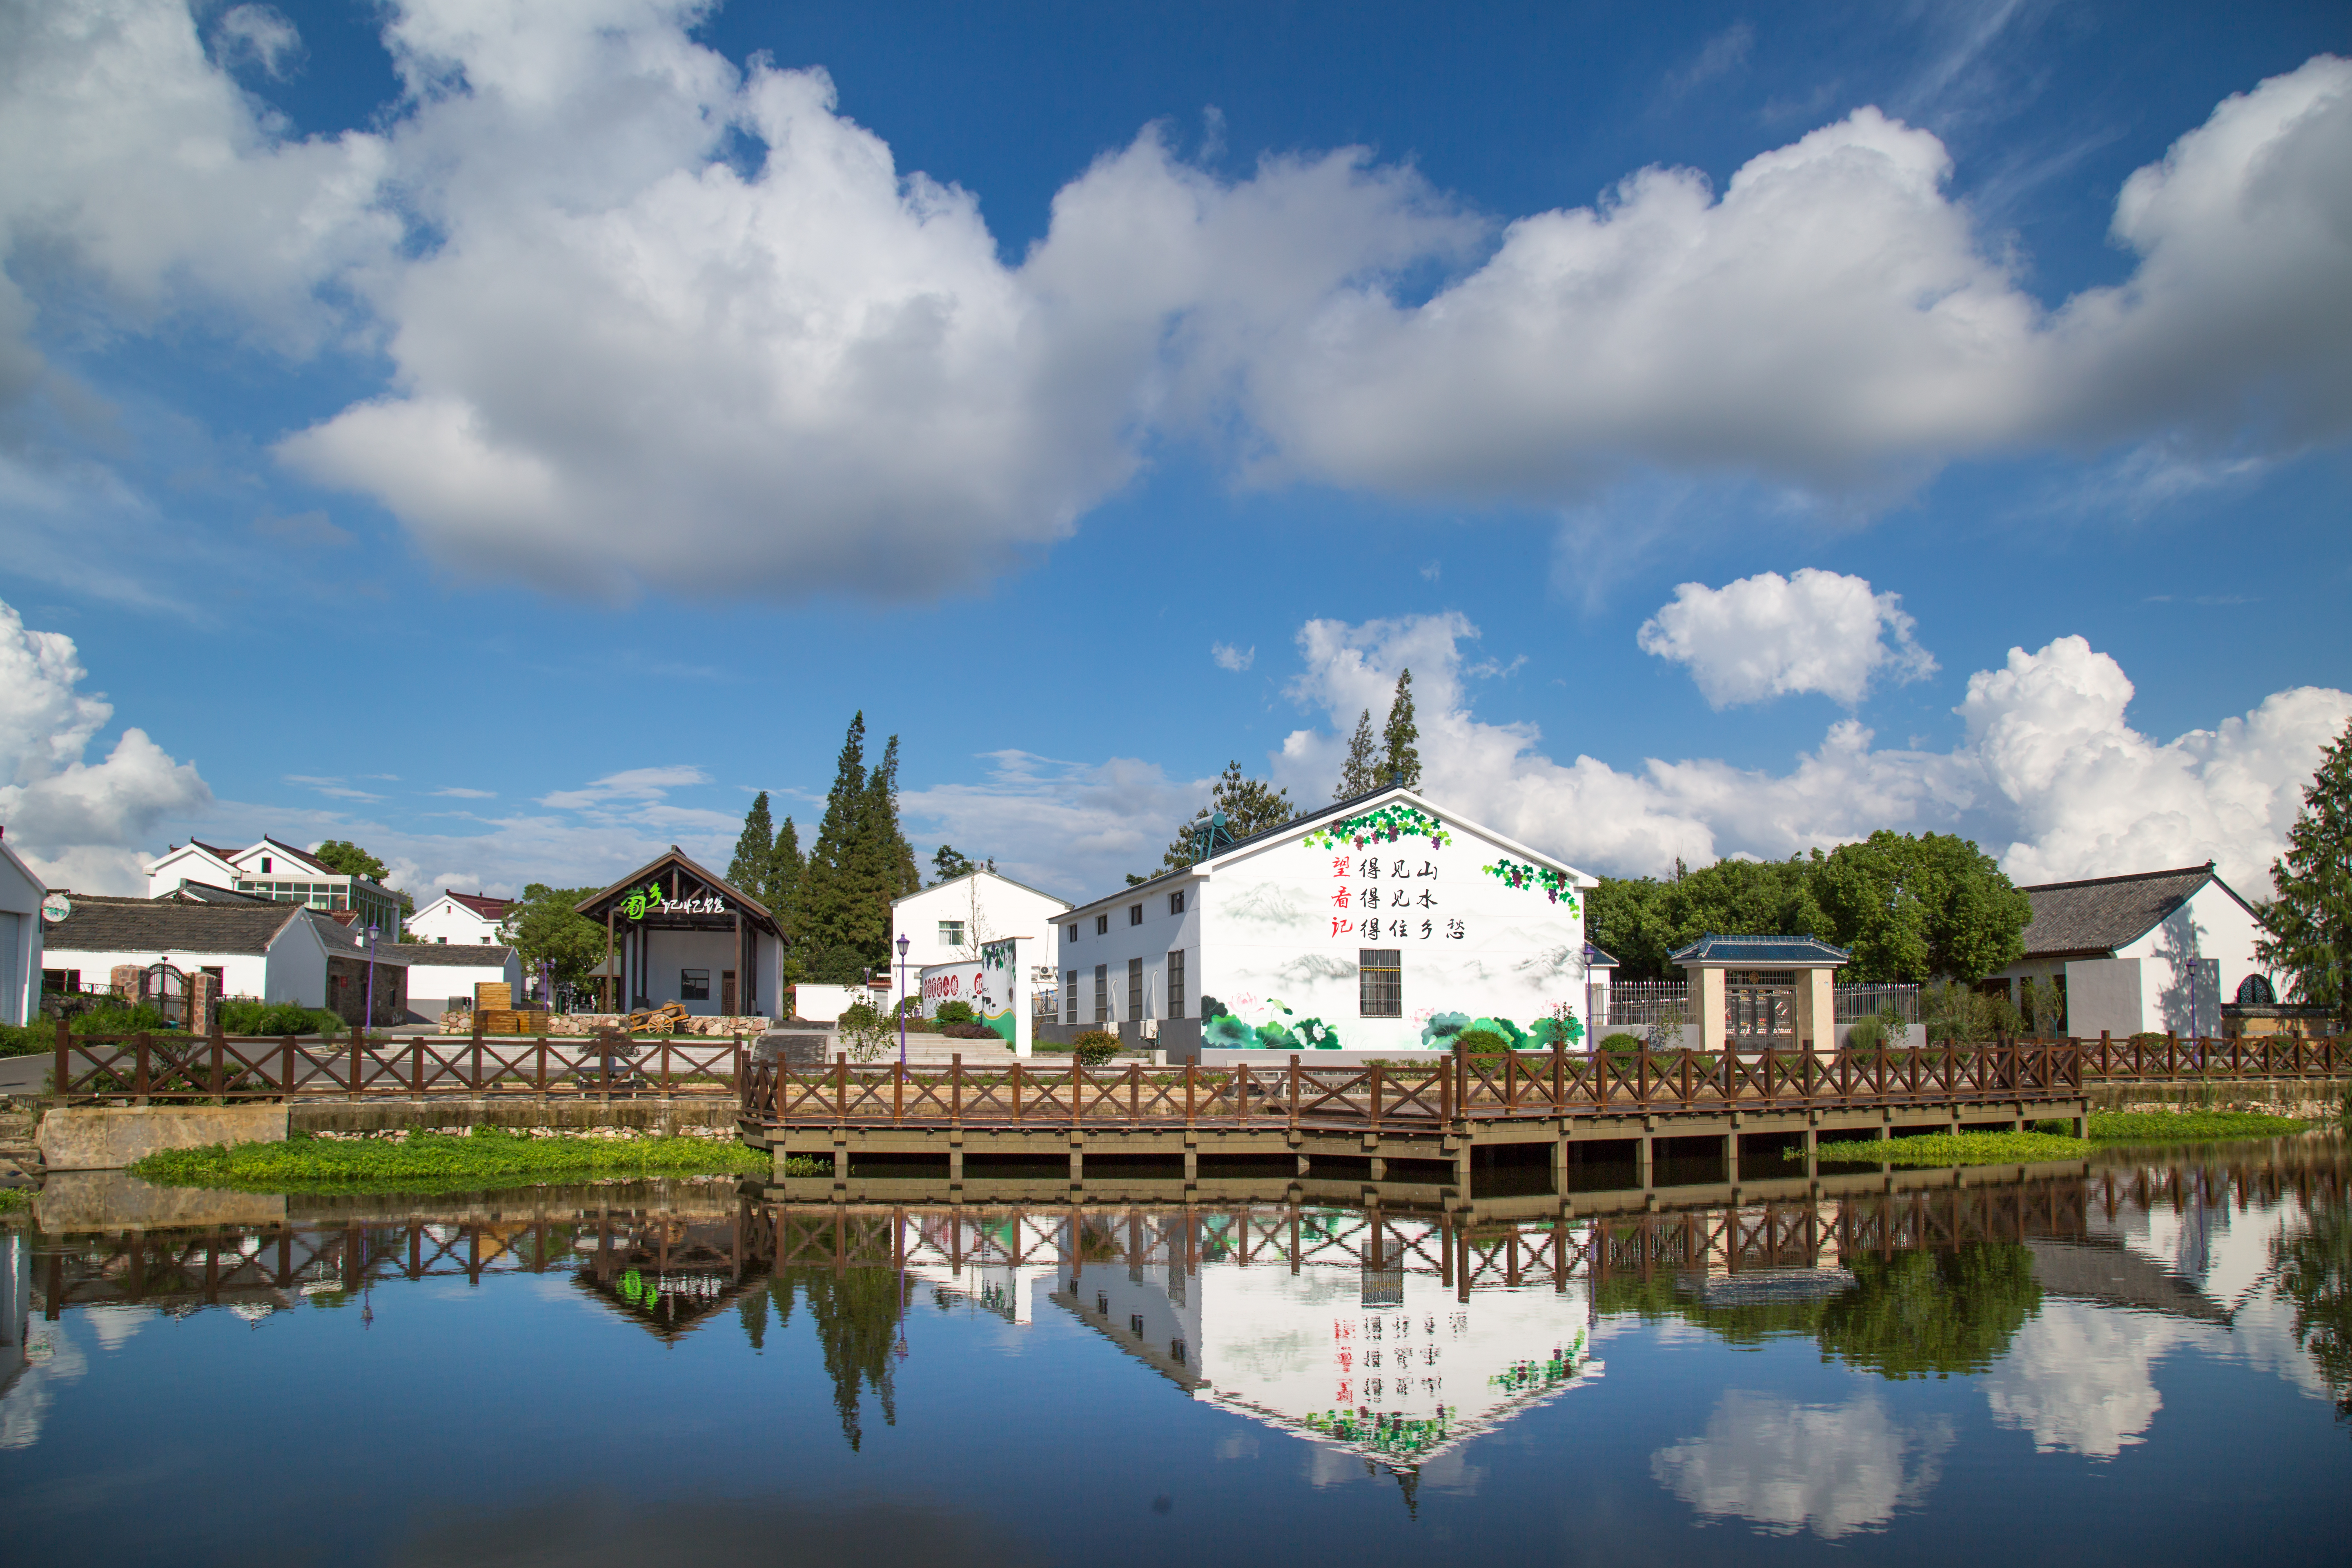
1769, 635
78, 823
656, 321
1228, 657
2050, 777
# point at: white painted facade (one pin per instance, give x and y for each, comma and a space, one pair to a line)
20, 938
446, 920
274, 871
439, 976
2171, 979
946, 923
291, 968
1272, 933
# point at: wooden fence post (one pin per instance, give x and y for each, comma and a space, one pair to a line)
220, 1050
62, 1076
138, 1081
417, 1067
354, 1085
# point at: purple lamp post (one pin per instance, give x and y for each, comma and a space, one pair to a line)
374, 932
904, 941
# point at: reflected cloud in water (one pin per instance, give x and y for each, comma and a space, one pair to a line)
2081, 1378
1832, 1469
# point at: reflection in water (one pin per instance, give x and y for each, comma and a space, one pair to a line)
2314, 1277
857, 1314
1311, 1345
1830, 1468
2082, 1377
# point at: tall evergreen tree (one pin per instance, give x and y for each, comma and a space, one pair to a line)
829, 903
2311, 920
899, 873
1401, 760
1251, 805
749, 869
782, 884
1356, 773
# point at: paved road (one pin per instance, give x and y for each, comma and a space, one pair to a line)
22, 1074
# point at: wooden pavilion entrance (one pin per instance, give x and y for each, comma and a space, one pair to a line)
676, 894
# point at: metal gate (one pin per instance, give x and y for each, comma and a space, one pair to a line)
165, 989
1760, 1009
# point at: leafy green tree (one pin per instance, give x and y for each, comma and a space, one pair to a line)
1915, 909
754, 850
342, 856
948, 863
1624, 918
548, 930
2310, 921
1401, 756
1251, 805
1356, 773
1642, 921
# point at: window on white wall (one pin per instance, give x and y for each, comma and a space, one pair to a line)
951, 934
694, 985
1380, 985
1176, 903
1102, 993
1135, 914
1102, 925
1176, 984
1069, 996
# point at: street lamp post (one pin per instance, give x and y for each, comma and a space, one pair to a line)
905, 943
374, 932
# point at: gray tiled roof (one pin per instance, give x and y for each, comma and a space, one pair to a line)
1761, 951
2104, 913
101, 925
447, 955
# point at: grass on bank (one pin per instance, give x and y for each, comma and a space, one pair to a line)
2046, 1141
422, 1161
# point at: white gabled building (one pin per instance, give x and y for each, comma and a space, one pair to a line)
949, 921
2154, 952
470, 920
1379, 923
278, 872
21, 894
267, 950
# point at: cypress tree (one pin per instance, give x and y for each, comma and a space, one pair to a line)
1356, 773
783, 882
1401, 764
749, 869
827, 914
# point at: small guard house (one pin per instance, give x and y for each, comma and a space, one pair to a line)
1762, 993
675, 932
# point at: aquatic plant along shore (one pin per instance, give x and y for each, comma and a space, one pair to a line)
2107, 1129
417, 1161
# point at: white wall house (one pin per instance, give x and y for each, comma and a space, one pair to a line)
269, 951
472, 919
2159, 952
20, 938
442, 975
277, 871
949, 921
1379, 923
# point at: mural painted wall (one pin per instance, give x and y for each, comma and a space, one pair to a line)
992, 985
1479, 934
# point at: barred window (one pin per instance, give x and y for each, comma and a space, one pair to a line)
1176, 984
1135, 988
1102, 993
1070, 996
1379, 981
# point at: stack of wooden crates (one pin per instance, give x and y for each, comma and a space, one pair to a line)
495, 1012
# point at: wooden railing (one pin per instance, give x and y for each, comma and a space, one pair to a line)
1402, 1097
2145, 1058
170, 1068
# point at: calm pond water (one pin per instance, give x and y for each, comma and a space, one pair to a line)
2148, 1364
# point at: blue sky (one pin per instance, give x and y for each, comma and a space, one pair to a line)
510, 435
